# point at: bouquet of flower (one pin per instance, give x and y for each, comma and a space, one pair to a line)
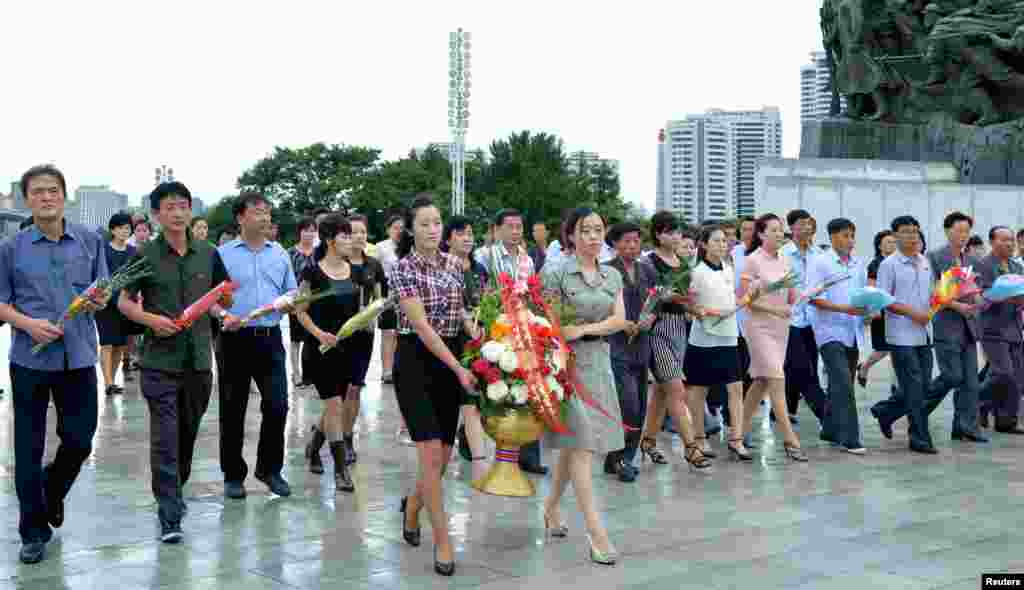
825, 285
221, 294
655, 296
519, 356
1005, 287
364, 318
871, 299
100, 288
957, 282
290, 300
788, 281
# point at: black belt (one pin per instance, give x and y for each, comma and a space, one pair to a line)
259, 331
593, 339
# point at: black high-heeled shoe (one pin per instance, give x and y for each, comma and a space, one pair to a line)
444, 568
411, 536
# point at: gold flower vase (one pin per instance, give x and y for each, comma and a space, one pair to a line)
510, 433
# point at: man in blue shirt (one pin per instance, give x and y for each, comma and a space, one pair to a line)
801, 365
837, 328
907, 276
263, 272
43, 268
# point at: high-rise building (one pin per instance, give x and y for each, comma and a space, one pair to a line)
97, 204
580, 160
816, 89
708, 162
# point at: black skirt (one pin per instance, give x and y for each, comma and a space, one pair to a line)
428, 392
112, 326
711, 365
296, 331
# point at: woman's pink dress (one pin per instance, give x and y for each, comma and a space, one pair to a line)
766, 334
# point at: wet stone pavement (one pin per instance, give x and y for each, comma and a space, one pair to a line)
889, 519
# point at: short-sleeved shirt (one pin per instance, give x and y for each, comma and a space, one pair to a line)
367, 277
909, 280
830, 326
635, 291
262, 277
438, 283
800, 263
999, 321
40, 278
177, 282
714, 286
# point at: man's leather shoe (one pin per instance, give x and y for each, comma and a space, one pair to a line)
924, 450
234, 489
534, 469
885, 427
32, 552
967, 436
276, 483
1013, 430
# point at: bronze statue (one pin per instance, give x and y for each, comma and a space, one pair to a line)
912, 60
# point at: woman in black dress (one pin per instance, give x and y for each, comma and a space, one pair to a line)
885, 244
428, 375
330, 372
370, 282
112, 326
301, 255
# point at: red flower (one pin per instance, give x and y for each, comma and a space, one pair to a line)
519, 374
492, 375
480, 366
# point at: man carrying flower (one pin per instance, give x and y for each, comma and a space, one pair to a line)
176, 377
43, 269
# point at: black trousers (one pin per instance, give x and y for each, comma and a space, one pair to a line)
75, 398
842, 424
177, 403
1004, 384
252, 354
631, 385
801, 370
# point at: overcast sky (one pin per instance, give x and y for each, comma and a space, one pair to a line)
109, 90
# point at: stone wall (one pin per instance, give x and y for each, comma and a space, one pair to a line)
872, 192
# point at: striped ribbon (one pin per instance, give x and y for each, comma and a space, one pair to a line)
507, 455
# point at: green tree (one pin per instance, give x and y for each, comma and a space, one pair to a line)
302, 179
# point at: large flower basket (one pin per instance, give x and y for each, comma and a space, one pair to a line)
510, 433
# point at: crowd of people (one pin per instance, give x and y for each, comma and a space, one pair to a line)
694, 368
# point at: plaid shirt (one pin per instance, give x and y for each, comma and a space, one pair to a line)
438, 284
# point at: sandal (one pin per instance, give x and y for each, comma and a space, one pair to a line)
705, 448
795, 453
649, 449
737, 452
697, 460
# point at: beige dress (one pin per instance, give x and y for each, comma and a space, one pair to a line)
594, 302
766, 334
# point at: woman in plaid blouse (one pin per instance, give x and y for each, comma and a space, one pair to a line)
428, 376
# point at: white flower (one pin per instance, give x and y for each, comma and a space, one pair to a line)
508, 361
555, 360
519, 394
492, 351
497, 392
555, 387
540, 321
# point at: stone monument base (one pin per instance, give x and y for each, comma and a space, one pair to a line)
992, 155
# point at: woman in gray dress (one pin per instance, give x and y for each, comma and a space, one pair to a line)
595, 291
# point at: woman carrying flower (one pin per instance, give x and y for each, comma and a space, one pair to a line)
595, 291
